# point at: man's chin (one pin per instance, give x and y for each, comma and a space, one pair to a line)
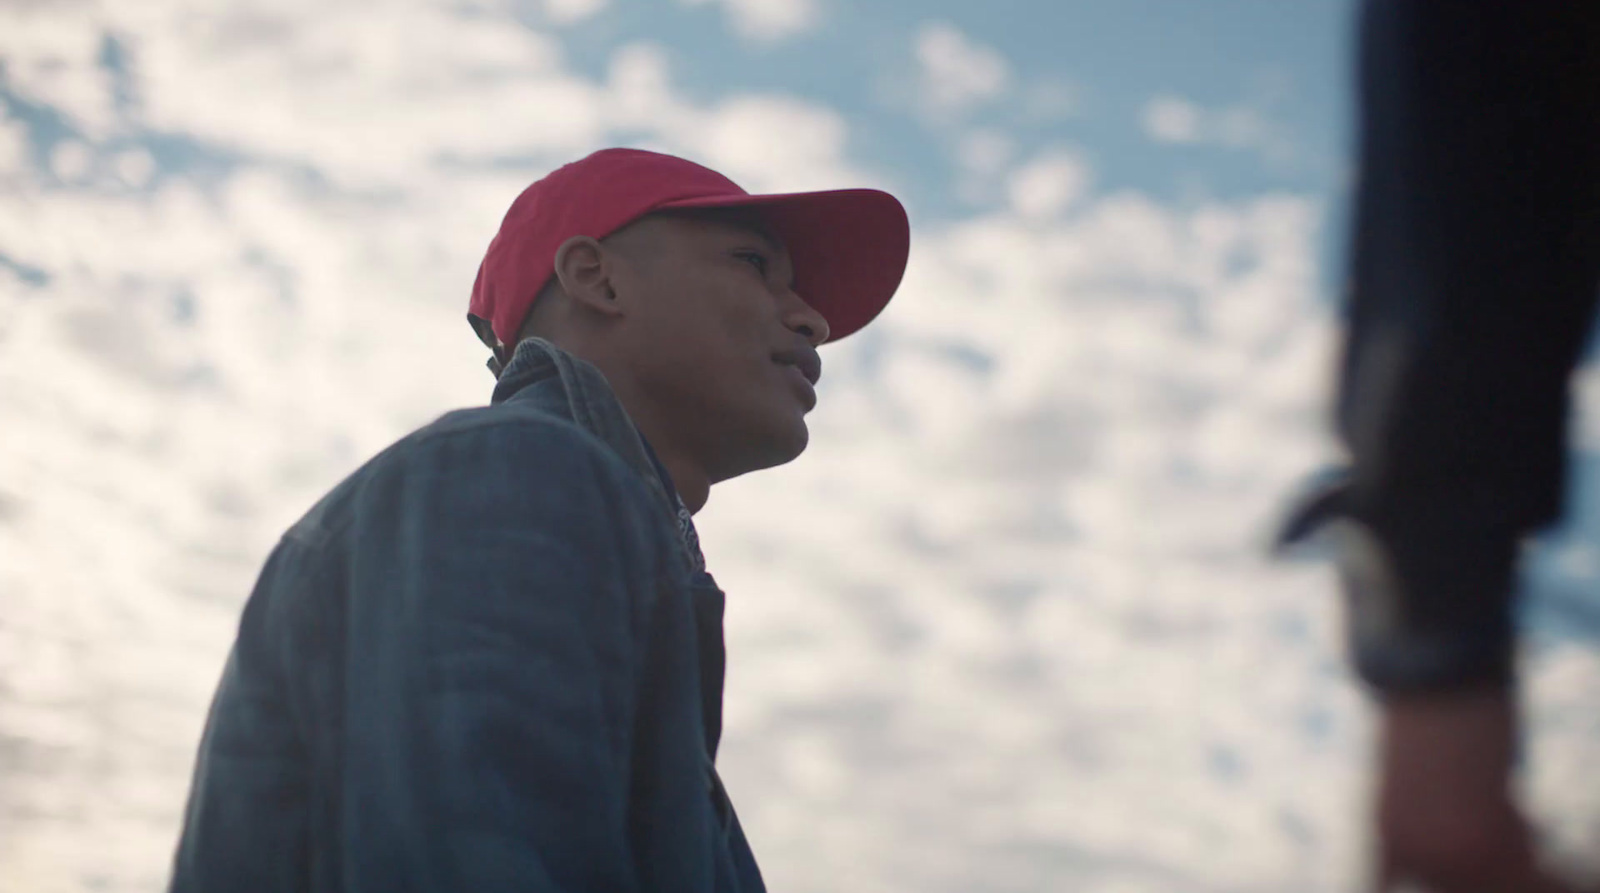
780, 446
787, 444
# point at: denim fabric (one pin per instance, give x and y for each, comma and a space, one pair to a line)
486, 661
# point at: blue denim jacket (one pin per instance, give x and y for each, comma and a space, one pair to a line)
487, 661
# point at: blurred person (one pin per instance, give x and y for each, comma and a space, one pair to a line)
492, 659
1475, 265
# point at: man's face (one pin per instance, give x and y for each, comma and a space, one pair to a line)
717, 341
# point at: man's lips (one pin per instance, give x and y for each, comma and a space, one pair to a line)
804, 359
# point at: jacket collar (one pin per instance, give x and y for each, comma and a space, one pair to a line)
570, 388
573, 389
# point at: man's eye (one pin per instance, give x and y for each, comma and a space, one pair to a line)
755, 259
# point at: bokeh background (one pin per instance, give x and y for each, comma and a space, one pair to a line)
1009, 625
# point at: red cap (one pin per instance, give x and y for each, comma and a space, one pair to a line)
849, 245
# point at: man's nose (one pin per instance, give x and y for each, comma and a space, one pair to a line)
804, 320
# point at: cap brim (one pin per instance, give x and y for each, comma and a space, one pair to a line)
849, 247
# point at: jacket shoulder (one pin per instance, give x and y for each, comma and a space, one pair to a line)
504, 423
511, 445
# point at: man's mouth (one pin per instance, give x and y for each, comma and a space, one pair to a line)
804, 359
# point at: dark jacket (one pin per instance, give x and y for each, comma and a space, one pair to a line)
1474, 259
489, 660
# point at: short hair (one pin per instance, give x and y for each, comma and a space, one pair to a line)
529, 327
747, 218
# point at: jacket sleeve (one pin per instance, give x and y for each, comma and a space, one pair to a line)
496, 589
1475, 258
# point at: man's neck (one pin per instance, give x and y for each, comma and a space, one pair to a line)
688, 477
691, 482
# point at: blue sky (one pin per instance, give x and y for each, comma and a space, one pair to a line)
1009, 624
1081, 73
1284, 63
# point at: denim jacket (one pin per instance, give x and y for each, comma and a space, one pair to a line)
490, 660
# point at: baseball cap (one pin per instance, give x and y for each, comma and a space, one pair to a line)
849, 246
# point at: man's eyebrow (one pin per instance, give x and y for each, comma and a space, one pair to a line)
762, 232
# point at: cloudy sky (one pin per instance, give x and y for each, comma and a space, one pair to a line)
1008, 625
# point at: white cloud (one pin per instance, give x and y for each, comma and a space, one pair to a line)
984, 152
1585, 433
567, 12
639, 91
955, 72
52, 57
764, 142
1047, 184
1565, 744
14, 152
767, 20
135, 167
1173, 119
365, 99
1052, 100
981, 157
769, 144
70, 160
1094, 449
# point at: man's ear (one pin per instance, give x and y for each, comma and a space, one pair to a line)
583, 269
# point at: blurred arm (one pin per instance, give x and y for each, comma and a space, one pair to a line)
1475, 263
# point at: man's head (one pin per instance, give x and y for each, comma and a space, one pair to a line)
694, 319
702, 304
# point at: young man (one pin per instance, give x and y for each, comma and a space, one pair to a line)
491, 659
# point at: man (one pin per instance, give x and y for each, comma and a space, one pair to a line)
491, 659
1476, 260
